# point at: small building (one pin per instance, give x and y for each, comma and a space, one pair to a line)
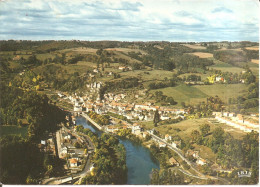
201, 161
73, 162
64, 150
111, 128
145, 134
194, 154
168, 137
165, 117
161, 144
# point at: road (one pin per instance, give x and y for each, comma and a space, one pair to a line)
80, 175
201, 176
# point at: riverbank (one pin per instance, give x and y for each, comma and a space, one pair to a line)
138, 158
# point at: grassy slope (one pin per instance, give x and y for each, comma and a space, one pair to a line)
11, 130
224, 91
184, 93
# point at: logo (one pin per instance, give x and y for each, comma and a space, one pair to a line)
244, 174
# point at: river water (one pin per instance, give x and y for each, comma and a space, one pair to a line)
138, 158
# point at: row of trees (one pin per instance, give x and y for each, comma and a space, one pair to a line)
99, 119
163, 99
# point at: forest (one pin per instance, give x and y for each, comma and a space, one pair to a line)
22, 162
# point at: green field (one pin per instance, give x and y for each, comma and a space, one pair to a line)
184, 93
13, 130
198, 93
225, 67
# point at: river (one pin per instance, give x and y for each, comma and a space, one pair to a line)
138, 158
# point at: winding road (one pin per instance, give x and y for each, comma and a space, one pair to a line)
200, 175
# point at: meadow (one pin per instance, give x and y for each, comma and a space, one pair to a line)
13, 130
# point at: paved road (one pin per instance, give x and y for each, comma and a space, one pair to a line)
200, 175
80, 175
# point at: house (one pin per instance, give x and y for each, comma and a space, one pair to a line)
66, 136
151, 131
173, 162
201, 161
43, 142
64, 150
168, 137
145, 134
77, 109
136, 129
95, 70
231, 114
73, 162
161, 144
111, 128
194, 154
165, 117
176, 143
17, 57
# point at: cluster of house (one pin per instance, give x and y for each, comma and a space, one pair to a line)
125, 68
132, 111
215, 78
47, 145
218, 79
195, 155
66, 142
246, 124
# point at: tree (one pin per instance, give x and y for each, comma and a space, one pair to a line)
218, 135
156, 118
204, 129
195, 135
77, 145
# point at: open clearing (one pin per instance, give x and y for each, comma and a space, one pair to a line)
195, 46
256, 61
198, 93
13, 130
255, 48
225, 67
224, 49
125, 50
202, 55
184, 93
224, 91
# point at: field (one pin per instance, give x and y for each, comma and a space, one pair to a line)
224, 91
10, 130
203, 55
184, 93
125, 50
255, 48
256, 61
225, 67
198, 93
202, 75
194, 46
184, 128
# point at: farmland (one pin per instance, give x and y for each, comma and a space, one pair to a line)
203, 55
196, 46
223, 91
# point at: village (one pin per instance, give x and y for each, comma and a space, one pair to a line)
136, 112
